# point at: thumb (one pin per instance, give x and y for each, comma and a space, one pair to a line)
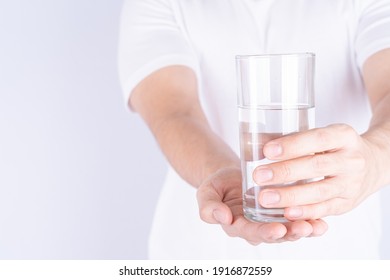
212, 210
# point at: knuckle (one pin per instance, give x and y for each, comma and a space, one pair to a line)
312, 212
253, 243
290, 198
335, 209
320, 162
330, 209
322, 192
338, 206
204, 215
323, 136
348, 191
341, 189
322, 210
348, 132
230, 231
342, 127
285, 172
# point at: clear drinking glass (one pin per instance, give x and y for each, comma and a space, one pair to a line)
275, 98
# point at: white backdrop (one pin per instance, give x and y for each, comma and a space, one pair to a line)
79, 174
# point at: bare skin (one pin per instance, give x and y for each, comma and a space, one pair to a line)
353, 164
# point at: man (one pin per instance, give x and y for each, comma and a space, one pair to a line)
177, 71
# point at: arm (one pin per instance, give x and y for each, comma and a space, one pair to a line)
354, 166
376, 73
168, 102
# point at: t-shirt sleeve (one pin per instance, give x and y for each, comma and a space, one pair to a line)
373, 32
150, 38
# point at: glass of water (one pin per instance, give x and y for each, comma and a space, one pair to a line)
275, 98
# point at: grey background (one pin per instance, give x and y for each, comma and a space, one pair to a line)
79, 174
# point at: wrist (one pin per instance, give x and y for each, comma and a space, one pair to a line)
215, 166
378, 140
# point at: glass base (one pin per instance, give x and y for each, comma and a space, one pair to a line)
265, 215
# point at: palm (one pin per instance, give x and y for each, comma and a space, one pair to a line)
221, 194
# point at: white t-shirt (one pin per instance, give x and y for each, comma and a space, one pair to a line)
206, 35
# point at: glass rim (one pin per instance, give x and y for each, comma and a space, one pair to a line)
274, 55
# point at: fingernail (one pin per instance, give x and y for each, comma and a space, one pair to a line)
263, 175
218, 216
295, 212
270, 197
272, 150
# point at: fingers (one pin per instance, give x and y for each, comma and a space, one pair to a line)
218, 195
220, 202
255, 233
315, 166
276, 233
310, 201
304, 156
336, 194
212, 210
306, 167
319, 227
300, 194
298, 230
309, 142
314, 211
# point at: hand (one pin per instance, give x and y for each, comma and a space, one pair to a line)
220, 202
337, 153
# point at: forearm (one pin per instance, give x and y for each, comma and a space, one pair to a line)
168, 102
379, 135
376, 73
192, 148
